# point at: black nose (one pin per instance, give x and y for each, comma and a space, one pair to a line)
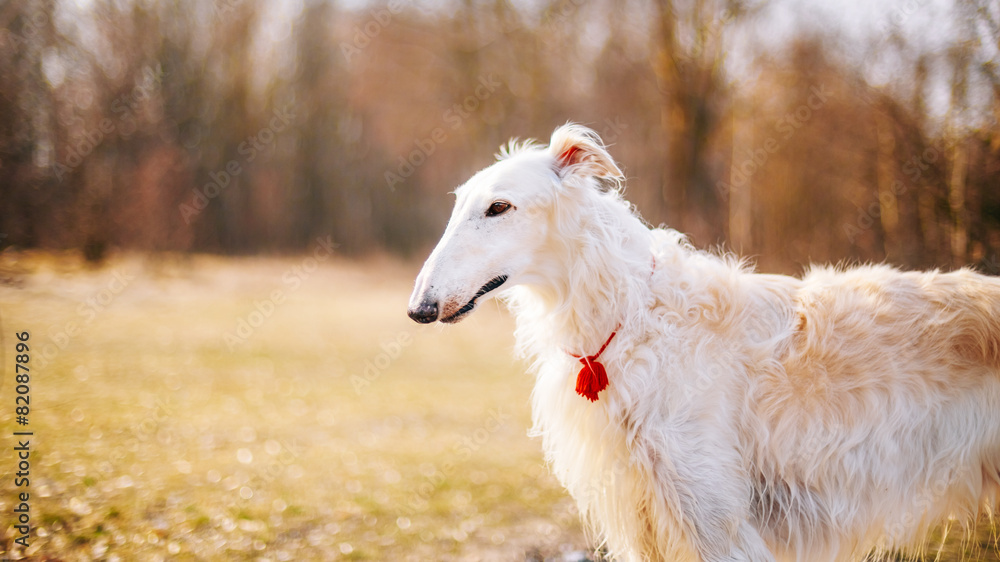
425, 312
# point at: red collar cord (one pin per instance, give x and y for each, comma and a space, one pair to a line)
593, 378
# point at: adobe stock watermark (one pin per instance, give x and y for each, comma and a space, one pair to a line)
811, 452
150, 425
453, 117
501, 27
922, 503
613, 129
785, 129
462, 450
123, 107
60, 336
249, 149
694, 390
33, 26
554, 14
291, 279
374, 367
605, 482
913, 168
226, 7
363, 35
708, 34
899, 14
868, 216
561, 11
991, 264
281, 455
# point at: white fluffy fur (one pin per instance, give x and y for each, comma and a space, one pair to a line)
749, 417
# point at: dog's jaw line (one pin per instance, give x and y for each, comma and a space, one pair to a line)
471, 305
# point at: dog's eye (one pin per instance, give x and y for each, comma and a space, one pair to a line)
498, 208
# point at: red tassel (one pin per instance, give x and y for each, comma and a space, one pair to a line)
593, 378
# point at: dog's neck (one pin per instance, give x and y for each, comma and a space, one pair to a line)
582, 291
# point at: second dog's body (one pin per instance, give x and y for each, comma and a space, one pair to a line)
747, 417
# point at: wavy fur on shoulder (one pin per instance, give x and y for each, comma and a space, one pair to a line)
749, 417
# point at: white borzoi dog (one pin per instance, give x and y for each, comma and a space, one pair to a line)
697, 410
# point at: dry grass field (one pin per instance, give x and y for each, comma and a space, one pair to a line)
200, 408
329, 427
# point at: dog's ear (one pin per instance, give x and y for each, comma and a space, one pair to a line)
579, 151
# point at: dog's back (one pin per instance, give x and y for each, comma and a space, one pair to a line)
947, 317
885, 415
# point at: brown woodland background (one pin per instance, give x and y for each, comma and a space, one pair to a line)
790, 132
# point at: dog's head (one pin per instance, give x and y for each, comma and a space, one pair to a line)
502, 218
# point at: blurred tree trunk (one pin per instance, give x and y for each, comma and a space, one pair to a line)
983, 24
689, 57
956, 201
885, 174
960, 59
741, 189
322, 204
30, 136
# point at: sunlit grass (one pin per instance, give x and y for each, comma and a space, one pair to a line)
155, 438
